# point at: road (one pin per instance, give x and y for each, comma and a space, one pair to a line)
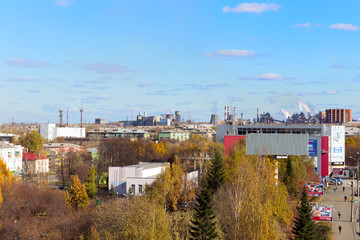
337, 200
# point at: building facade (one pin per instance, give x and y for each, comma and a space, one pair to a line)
133, 179
338, 115
35, 164
12, 155
326, 143
50, 131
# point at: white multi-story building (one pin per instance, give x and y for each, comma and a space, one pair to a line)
50, 131
12, 154
133, 179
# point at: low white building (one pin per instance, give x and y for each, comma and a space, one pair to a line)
12, 154
34, 164
50, 131
133, 179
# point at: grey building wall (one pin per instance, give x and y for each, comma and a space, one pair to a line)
277, 144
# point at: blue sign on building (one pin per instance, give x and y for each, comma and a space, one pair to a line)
312, 148
337, 149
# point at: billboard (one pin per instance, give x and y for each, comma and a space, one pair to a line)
312, 148
339, 172
322, 213
338, 145
315, 190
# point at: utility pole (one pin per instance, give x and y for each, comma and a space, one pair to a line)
352, 198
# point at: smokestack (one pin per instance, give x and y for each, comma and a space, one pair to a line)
235, 111
257, 119
81, 119
61, 117
242, 115
225, 117
228, 113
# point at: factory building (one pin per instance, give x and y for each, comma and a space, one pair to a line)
324, 143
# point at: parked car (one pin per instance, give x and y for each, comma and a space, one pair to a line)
334, 181
338, 178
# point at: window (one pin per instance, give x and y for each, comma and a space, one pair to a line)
132, 189
140, 189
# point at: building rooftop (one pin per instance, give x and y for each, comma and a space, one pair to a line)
6, 144
148, 165
33, 156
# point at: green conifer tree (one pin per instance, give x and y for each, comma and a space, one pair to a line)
204, 223
304, 227
90, 184
216, 174
112, 191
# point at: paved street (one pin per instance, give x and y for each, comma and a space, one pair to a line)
337, 200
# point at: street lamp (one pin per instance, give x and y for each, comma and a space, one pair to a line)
357, 179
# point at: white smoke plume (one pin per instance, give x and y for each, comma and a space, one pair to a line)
302, 106
286, 114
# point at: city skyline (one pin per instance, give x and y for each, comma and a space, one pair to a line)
118, 58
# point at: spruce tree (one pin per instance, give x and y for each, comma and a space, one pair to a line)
216, 174
91, 186
304, 227
112, 192
204, 223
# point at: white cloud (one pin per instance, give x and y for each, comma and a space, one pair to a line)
62, 3
267, 77
100, 67
253, 7
27, 63
230, 53
302, 25
344, 26
22, 79
331, 92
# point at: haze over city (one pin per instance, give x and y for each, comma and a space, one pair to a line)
114, 58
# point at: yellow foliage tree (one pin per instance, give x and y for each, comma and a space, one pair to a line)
137, 219
169, 188
76, 197
160, 149
251, 205
5, 176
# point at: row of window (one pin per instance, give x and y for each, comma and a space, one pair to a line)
132, 189
244, 131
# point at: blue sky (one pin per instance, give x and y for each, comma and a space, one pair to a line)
118, 57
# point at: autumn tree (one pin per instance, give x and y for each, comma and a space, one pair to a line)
73, 163
136, 219
76, 197
116, 152
251, 198
170, 188
294, 171
304, 227
33, 141
5, 174
91, 186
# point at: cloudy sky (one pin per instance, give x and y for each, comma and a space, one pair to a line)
118, 57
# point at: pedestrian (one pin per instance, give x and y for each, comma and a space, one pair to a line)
339, 214
345, 197
343, 188
340, 228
